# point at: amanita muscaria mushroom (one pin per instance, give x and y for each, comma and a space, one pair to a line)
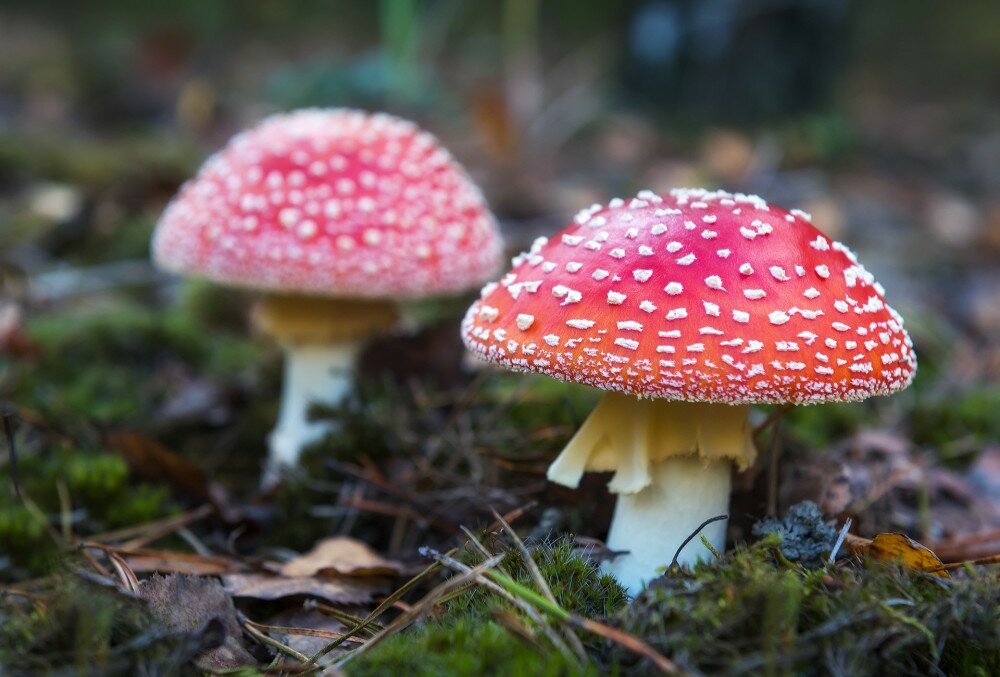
336, 215
687, 308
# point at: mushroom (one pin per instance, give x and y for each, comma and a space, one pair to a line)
335, 215
686, 308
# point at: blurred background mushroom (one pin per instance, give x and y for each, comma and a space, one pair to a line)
336, 216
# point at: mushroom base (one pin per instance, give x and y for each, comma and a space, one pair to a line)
322, 374
651, 524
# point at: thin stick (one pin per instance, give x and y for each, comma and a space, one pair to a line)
265, 639
8, 430
525, 606
840, 540
154, 530
406, 587
307, 632
536, 573
596, 627
694, 533
429, 600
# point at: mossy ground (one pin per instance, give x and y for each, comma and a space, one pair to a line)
751, 613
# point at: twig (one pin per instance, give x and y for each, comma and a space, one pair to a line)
307, 632
152, 531
694, 533
522, 604
428, 600
263, 638
8, 430
840, 540
126, 576
406, 587
596, 627
992, 559
536, 573
772, 470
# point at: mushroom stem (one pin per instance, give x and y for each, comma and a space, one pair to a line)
314, 374
322, 338
652, 524
672, 461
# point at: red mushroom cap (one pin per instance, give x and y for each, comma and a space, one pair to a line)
335, 202
696, 295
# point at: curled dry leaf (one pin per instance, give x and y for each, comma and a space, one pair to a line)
195, 605
336, 590
341, 556
897, 548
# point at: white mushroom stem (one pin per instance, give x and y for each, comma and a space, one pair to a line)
322, 338
652, 524
314, 374
672, 463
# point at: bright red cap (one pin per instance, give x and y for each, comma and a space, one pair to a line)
335, 202
698, 295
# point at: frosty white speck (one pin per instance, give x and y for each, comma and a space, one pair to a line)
711, 308
524, 321
811, 293
677, 314
600, 274
642, 275
741, 316
778, 317
686, 260
581, 324
674, 288
779, 274
823, 271
714, 282
616, 298
630, 325
674, 247
754, 294
647, 306
631, 344
746, 269
617, 253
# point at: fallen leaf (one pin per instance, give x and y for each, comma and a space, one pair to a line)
897, 548
199, 607
151, 461
336, 590
341, 556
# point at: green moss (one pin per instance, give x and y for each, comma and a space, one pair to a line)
463, 646
100, 495
101, 364
749, 614
576, 583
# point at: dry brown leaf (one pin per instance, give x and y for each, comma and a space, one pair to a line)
151, 461
336, 590
341, 556
897, 548
190, 604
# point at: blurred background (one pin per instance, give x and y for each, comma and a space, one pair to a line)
879, 118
